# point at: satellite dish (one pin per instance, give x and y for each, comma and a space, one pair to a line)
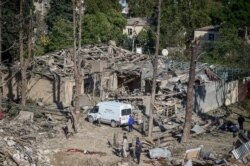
211, 66
164, 52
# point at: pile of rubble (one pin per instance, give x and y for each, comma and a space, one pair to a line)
162, 147
115, 59
22, 136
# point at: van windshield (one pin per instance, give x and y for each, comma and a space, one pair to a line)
94, 110
126, 112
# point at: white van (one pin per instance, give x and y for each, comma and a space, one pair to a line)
114, 113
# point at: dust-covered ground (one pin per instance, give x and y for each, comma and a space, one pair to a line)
95, 139
91, 138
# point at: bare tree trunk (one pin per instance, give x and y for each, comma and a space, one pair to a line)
77, 104
1, 82
155, 65
190, 89
22, 63
27, 61
81, 14
29, 38
79, 60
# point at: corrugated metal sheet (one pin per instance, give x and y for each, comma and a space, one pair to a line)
241, 151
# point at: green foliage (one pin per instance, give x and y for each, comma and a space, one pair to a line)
59, 9
215, 12
229, 49
100, 27
237, 12
96, 28
96, 6
141, 8
180, 18
194, 14
146, 38
172, 28
101, 22
61, 35
11, 23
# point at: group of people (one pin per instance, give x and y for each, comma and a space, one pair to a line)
229, 126
125, 148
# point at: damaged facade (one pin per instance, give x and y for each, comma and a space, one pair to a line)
111, 73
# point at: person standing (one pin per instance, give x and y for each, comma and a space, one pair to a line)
141, 123
241, 120
125, 146
138, 150
98, 118
130, 123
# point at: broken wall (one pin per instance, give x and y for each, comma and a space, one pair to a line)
214, 94
41, 88
67, 91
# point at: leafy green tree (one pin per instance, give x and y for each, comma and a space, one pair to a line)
10, 26
96, 28
146, 38
101, 27
237, 12
102, 22
172, 27
61, 35
59, 9
95, 6
141, 8
194, 14
215, 9
231, 48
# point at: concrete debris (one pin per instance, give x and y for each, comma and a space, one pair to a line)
193, 153
188, 163
198, 129
159, 153
19, 138
123, 163
112, 73
242, 151
25, 116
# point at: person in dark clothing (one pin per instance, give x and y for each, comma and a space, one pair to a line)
241, 120
233, 128
143, 133
130, 123
138, 150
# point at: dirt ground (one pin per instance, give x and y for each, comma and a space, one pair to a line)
93, 138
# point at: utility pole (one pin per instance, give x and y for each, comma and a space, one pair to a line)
155, 65
190, 89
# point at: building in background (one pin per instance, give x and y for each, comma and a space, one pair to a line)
207, 36
135, 26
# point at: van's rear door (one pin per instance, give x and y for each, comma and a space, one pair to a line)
125, 115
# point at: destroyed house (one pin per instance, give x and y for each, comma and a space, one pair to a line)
110, 72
